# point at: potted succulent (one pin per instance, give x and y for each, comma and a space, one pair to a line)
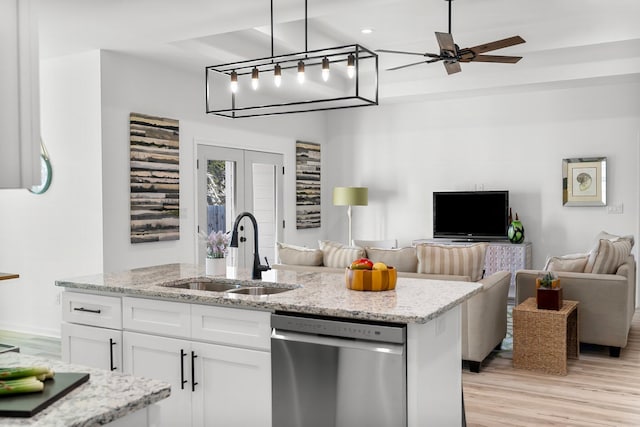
548, 292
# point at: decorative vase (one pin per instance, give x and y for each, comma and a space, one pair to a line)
515, 232
549, 298
216, 266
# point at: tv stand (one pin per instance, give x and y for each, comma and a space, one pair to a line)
502, 255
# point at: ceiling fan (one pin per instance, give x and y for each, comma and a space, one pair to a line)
452, 55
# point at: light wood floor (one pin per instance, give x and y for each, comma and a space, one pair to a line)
598, 391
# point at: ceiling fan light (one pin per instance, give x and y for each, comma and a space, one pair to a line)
300, 72
254, 78
234, 82
351, 62
277, 75
325, 69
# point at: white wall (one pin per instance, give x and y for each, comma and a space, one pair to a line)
57, 234
515, 141
130, 84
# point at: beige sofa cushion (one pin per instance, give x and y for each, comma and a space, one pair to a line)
610, 256
608, 259
573, 262
456, 260
337, 255
297, 255
403, 259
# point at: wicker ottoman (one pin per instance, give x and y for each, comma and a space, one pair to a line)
544, 339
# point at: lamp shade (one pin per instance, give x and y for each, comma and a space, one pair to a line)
350, 196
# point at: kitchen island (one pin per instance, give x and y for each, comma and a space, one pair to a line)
151, 307
107, 397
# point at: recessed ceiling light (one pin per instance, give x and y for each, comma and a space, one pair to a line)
366, 30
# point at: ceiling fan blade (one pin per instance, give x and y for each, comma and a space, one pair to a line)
452, 67
445, 40
498, 44
427, 54
494, 58
408, 65
400, 52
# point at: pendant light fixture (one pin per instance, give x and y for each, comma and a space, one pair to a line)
353, 83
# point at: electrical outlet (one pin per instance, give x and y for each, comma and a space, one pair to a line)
616, 209
58, 298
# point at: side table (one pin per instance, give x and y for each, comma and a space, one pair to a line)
544, 339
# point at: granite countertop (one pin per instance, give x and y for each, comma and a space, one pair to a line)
413, 300
106, 397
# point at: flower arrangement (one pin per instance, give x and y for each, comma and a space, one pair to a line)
217, 244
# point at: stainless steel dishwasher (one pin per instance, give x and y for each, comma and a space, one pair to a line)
329, 372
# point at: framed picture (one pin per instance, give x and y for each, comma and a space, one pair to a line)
584, 181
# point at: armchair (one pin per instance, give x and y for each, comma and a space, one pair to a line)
607, 302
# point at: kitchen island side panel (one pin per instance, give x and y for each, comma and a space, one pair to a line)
434, 377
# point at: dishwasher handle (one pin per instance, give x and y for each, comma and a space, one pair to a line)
380, 347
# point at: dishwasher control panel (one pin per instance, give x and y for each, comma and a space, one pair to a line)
340, 328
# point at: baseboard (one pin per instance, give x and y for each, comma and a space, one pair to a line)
46, 332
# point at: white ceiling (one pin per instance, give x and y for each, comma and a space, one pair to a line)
567, 41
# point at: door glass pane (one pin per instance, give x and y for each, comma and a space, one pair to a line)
220, 196
264, 208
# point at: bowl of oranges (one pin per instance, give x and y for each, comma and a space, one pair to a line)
366, 275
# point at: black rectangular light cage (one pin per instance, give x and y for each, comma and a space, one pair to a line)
357, 87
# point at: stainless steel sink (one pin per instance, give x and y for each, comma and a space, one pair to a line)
258, 290
230, 289
204, 285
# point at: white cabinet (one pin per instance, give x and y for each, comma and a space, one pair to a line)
91, 346
217, 359
19, 103
210, 384
166, 359
92, 330
233, 386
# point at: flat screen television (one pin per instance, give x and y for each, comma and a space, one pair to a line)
471, 215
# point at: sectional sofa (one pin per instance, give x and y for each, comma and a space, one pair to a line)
484, 316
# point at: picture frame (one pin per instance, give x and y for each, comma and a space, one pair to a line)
584, 181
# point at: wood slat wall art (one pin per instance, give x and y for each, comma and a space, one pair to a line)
307, 185
155, 178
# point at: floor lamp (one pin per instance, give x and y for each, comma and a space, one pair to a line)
350, 196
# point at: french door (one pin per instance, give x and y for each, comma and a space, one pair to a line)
232, 181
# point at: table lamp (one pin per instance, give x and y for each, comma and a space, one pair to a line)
350, 196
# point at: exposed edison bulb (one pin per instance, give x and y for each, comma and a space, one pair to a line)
234, 82
277, 75
300, 72
325, 69
351, 62
254, 78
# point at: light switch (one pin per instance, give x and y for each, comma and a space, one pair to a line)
615, 209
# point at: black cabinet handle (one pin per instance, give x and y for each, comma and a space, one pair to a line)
182, 380
87, 310
111, 344
193, 371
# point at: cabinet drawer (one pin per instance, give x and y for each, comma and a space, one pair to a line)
157, 317
94, 310
231, 326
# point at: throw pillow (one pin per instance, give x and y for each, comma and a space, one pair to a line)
603, 235
452, 260
297, 255
572, 262
403, 259
611, 255
337, 255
